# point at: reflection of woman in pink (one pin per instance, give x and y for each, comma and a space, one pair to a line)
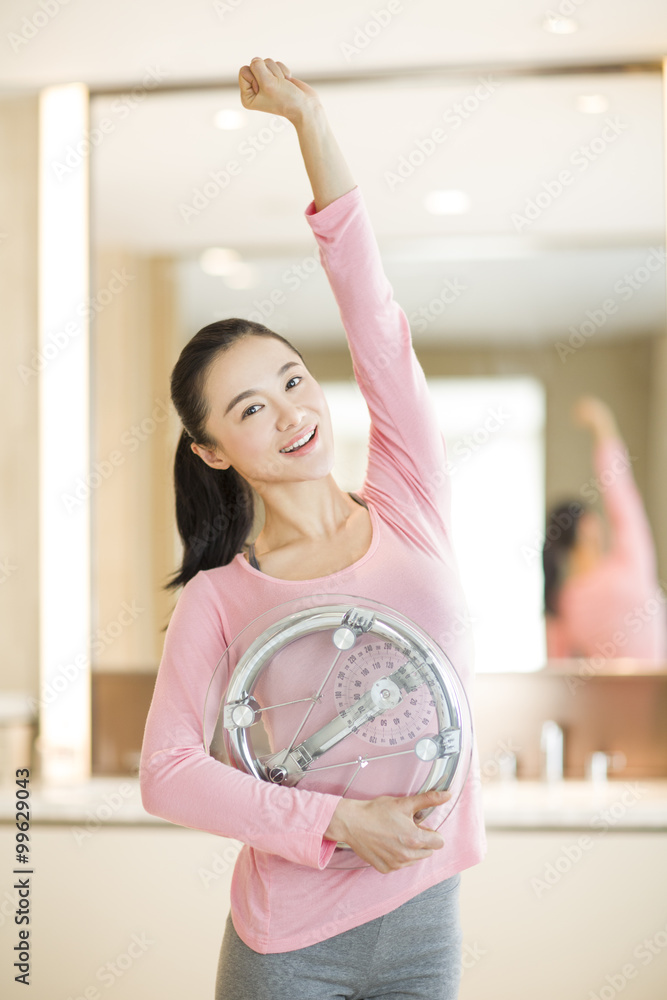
605, 603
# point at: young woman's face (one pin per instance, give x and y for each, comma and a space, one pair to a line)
281, 402
590, 534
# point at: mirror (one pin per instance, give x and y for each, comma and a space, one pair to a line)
521, 223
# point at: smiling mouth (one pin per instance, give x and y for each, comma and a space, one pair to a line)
302, 441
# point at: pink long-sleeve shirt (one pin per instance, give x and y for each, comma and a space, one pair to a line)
617, 609
283, 895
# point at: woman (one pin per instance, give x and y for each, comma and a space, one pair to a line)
245, 396
598, 601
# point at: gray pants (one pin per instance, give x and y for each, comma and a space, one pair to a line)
410, 953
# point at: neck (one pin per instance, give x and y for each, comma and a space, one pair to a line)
312, 511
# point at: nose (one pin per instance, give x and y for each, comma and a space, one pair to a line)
289, 415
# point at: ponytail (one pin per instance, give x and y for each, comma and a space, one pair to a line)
214, 512
214, 507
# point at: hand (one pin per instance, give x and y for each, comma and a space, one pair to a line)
383, 830
269, 86
592, 413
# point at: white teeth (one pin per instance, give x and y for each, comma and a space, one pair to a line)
297, 444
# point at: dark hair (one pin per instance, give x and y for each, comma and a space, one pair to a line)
214, 507
560, 536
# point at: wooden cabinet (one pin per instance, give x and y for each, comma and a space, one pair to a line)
576, 913
571, 914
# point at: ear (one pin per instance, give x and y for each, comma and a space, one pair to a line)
210, 457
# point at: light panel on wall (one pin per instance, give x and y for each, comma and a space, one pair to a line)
557, 25
219, 260
229, 119
447, 202
592, 104
64, 704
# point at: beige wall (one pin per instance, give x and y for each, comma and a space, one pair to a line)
19, 610
134, 345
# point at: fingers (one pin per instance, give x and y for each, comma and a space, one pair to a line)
424, 800
385, 835
415, 849
247, 83
264, 69
260, 72
427, 839
387, 858
275, 68
589, 411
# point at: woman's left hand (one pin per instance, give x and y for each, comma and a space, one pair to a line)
269, 86
592, 413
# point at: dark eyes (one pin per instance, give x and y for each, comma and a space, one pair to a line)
248, 411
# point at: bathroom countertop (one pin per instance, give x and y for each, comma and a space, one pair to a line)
633, 804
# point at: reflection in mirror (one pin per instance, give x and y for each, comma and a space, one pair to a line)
601, 594
520, 222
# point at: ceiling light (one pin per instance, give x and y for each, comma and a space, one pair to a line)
228, 118
560, 25
219, 260
592, 104
447, 202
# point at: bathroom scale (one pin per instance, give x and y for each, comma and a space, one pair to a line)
341, 694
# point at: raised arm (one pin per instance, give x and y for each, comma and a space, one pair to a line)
630, 530
407, 452
268, 86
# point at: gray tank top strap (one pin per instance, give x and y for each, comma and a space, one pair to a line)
355, 496
252, 558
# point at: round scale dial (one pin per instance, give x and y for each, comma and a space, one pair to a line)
409, 718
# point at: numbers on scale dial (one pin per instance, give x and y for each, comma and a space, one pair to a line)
356, 675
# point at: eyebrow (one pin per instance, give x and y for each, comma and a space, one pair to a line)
253, 392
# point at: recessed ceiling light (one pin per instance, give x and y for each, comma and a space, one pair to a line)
450, 202
228, 118
592, 104
219, 260
560, 25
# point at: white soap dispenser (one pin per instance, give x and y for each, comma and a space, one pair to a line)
551, 744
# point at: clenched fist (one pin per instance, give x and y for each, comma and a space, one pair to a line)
269, 86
